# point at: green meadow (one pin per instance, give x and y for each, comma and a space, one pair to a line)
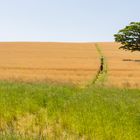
41, 111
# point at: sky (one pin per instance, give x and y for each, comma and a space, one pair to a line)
65, 20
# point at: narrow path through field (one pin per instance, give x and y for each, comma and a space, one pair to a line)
102, 72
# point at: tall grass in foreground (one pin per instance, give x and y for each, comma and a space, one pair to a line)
41, 111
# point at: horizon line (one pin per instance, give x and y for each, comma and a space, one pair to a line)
54, 41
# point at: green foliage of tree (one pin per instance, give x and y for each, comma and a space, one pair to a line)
129, 37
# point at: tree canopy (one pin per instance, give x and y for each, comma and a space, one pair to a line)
129, 37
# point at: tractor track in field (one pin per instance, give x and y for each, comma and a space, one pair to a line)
102, 72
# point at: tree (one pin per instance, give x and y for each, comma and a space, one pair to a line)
129, 37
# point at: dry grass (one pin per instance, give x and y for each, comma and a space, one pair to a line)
64, 62
123, 66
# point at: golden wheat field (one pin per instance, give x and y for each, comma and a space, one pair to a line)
76, 63
123, 66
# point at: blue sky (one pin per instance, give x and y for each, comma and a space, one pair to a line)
65, 20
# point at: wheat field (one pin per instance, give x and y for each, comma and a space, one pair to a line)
76, 63
123, 66
73, 63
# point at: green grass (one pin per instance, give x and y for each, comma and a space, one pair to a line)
50, 111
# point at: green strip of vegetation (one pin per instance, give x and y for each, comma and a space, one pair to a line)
101, 74
43, 111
